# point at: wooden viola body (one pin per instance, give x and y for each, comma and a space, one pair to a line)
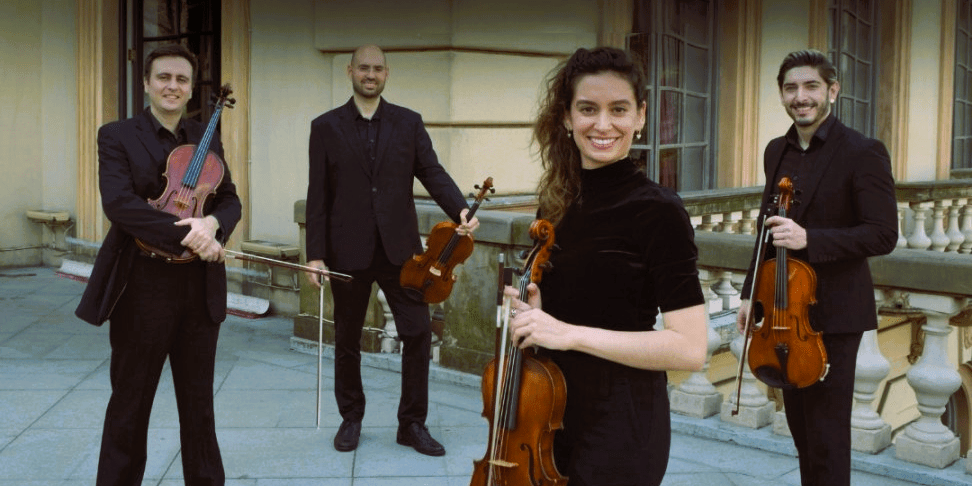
527, 449
428, 277
524, 397
785, 352
192, 175
429, 273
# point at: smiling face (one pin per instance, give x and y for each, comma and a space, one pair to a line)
806, 97
368, 72
603, 117
169, 85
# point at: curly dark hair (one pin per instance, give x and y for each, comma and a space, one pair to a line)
808, 57
560, 182
170, 50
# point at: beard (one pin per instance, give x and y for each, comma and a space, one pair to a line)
822, 110
368, 93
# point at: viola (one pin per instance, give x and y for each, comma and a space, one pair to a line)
192, 174
428, 277
785, 351
523, 397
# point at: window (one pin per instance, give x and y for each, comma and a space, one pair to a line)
152, 23
675, 42
962, 113
852, 33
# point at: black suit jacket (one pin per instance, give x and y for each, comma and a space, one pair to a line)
848, 209
351, 202
130, 166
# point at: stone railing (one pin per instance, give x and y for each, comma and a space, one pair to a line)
933, 289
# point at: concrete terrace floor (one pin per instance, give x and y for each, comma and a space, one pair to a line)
54, 387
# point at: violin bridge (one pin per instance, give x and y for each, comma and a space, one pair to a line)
502, 463
435, 271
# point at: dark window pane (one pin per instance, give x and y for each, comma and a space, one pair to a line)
669, 117
691, 174
697, 69
847, 33
847, 72
862, 87
861, 122
864, 41
958, 119
695, 15
695, 117
668, 167
671, 67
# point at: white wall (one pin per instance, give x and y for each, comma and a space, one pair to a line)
38, 137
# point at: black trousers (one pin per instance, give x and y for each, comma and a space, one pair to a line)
414, 325
617, 424
162, 313
819, 416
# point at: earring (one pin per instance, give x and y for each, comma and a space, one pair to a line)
570, 133
637, 134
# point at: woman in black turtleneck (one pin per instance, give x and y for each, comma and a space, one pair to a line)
626, 252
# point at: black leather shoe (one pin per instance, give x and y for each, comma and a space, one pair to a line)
417, 436
346, 438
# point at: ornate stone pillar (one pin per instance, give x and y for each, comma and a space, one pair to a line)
939, 239
755, 410
926, 440
696, 396
966, 246
955, 236
869, 432
918, 239
902, 241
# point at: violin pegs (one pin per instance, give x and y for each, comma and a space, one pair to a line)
547, 266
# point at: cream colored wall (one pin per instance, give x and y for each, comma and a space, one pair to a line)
290, 85
470, 68
785, 29
923, 100
37, 124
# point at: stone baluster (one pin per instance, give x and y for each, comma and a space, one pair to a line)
728, 294
934, 379
755, 410
728, 223
966, 246
939, 239
696, 396
706, 224
747, 222
902, 240
919, 239
955, 236
389, 336
869, 432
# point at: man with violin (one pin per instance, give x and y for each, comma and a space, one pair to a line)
159, 309
844, 211
361, 221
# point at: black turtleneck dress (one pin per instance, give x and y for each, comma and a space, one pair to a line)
627, 251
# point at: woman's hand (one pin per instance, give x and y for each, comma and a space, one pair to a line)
531, 326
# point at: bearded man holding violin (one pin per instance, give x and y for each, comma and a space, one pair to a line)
844, 212
159, 309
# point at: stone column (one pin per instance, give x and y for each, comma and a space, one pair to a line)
869, 432
939, 239
696, 396
966, 246
926, 440
955, 236
755, 410
902, 241
918, 239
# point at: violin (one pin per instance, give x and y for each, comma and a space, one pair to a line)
428, 277
523, 397
192, 174
784, 352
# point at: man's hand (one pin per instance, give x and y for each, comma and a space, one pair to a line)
315, 278
202, 238
467, 227
786, 233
